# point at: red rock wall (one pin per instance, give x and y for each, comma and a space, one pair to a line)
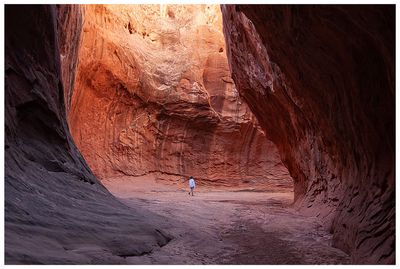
154, 95
53, 202
320, 80
69, 42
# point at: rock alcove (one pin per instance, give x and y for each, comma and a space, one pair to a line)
154, 97
154, 91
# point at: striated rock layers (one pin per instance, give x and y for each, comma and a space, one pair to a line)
55, 209
153, 95
320, 80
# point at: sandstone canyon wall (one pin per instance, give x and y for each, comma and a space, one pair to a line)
320, 80
154, 96
55, 209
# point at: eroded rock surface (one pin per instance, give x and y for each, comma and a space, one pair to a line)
320, 80
154, 96
56, 212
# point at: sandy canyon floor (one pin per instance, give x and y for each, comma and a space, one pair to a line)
227, 227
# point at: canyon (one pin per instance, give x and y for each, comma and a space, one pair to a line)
110, 108
159, 100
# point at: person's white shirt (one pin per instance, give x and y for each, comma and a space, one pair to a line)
192, 184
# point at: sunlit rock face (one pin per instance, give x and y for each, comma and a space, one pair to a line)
320, 80
153, 95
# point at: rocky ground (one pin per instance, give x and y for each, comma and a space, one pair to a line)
227, 227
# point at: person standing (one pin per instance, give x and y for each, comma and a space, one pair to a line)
192, 185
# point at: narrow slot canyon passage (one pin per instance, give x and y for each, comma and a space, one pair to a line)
159, 105
284, 116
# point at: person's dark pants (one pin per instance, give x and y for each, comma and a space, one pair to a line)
191, 190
